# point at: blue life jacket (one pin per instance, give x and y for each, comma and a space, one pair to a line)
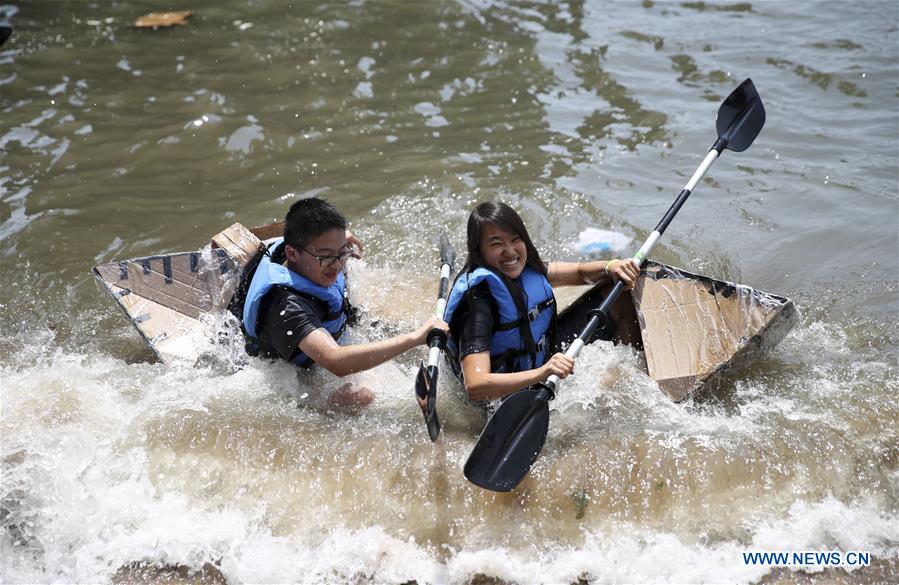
508, 351
269, 274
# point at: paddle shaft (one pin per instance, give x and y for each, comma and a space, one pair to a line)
426, 380
437, 338
600, 316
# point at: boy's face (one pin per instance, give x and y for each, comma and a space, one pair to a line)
322, 258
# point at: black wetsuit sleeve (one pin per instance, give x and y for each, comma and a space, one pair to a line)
286, 318
478, 322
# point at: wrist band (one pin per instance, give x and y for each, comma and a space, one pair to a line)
609, 263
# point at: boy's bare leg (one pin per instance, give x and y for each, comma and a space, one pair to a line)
322, 390
350, 397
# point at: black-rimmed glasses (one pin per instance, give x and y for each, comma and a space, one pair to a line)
329, 261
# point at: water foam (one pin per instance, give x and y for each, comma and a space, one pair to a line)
107, 463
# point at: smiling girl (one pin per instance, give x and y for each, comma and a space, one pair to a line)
502, 311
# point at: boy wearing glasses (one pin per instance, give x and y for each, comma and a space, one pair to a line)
296, 306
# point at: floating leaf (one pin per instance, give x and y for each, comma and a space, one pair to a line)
163, 19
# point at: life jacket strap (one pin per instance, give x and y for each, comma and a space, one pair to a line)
531, 315
511, 355
540, 307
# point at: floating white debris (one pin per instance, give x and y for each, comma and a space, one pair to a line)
597, 241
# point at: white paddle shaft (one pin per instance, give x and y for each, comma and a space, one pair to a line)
434, 352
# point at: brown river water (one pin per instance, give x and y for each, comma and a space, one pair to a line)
118, 143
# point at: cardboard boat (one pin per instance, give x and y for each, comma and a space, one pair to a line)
690, 328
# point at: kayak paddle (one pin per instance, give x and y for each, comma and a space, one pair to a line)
514, 435
426, 381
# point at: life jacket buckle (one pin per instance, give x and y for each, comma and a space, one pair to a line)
533, 314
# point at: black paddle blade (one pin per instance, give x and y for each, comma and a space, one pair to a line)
510, 442
5, 31
740, 117
426, 394
447, 253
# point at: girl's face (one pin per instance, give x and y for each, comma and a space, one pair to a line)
503, 251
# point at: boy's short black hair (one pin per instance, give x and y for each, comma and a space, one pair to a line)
309, 218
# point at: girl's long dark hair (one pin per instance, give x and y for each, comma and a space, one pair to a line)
502, 216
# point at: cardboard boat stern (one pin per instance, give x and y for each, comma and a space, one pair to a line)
694, 328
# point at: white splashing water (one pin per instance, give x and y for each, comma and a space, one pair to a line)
108, 463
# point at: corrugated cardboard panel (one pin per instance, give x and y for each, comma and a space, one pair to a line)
184, 282
239, 242
166, 296
693, 326
172, 334
269, 231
